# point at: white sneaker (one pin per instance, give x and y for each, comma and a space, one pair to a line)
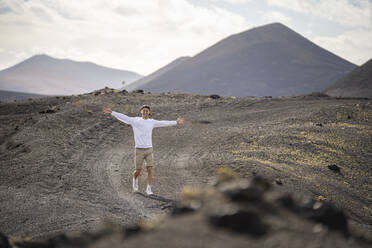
135, 184
148, 190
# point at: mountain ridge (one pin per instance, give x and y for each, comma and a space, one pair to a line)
6, 96
267, 60
357, 83
43, 74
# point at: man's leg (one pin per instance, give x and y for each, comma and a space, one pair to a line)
136, 173
149, 164
149, 180
138, 160
149, 175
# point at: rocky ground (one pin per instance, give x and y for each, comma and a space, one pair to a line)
66, 168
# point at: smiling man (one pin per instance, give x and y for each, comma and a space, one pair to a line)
142, 129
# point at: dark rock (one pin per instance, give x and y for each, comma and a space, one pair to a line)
167, 206
319, 124
287, 202
205, 122
11, 145
261, 182
59, 240
138, 91
214, 96
330, 216
250, 194
334, 168
278, 182
62, 240
242, 191
4, 243
48, 111
133, 230
182, 210
317, 94
324, 213
247, 222
35, 245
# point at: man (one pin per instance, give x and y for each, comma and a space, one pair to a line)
142, 129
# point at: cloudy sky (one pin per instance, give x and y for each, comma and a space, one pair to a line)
144, 35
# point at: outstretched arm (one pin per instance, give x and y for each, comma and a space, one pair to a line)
121, 117
179, 121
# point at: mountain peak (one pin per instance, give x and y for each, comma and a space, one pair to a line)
275, 25
267, 60
40, 56
44, 74
270, 32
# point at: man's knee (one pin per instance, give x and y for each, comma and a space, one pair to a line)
149, 169
137, 172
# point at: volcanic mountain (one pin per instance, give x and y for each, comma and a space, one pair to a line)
357, 83
7, 96
143, 81
42, 74
267, 60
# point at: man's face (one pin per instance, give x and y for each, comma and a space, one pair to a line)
145, 113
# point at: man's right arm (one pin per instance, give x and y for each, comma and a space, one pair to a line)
121, 117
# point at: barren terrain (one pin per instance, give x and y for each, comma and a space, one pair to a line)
66, 167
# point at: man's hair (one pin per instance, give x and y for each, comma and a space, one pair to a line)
145, 106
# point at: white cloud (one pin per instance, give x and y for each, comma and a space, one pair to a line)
144, 35
137, 35
354, 45
233, 1
275, 16
349, 24
344, 12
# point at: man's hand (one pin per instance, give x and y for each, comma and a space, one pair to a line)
107, 110
180, 121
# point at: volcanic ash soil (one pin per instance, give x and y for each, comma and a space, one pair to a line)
66, 168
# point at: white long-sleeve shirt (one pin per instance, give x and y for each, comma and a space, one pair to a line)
142, 129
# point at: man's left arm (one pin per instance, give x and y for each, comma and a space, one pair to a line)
179, 121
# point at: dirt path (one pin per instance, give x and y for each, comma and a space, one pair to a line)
112, 172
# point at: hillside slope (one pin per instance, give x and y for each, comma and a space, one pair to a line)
143, 81
42, 74
268, 60
358, 83
7, 96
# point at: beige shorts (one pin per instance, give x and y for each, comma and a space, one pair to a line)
143, 154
